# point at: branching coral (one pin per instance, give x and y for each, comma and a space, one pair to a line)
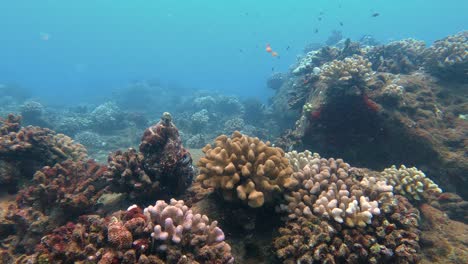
389, 239
327, 188
410, 182
164, 233
448, 57
245, 168
340, 214
355, 70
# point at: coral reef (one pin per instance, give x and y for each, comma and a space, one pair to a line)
244, 168
29, 148
89, 139
392, 238
443, 240
402, 56
126, 173
399, 114
410, 182
130, 237
448, 58
70, 187
275, 81
106, 117
328, 188
355, 70
162, 167
164, 157
340, 214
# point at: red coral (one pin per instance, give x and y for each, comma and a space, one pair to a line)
370, 104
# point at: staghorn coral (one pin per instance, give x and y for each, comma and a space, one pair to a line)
410, 182
402, 56
244, 168
328, 188
355, 70
126, 237
448, 58
70, 187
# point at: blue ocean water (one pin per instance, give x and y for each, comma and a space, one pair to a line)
75, 51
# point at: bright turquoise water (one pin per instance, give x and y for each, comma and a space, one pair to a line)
97, 46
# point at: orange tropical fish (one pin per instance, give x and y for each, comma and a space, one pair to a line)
274, 54
268, 48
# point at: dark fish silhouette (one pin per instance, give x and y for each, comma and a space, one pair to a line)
287, 48
375, 15
316, 30
341, 23
319, 19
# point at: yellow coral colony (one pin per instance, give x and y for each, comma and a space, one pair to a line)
246, 168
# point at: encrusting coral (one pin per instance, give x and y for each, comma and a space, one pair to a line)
164, 233
448, 57
73, 187
245, 168
402, 56
30, 148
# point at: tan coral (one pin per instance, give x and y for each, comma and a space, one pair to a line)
327, 188
354, 70
410, 182
245, 168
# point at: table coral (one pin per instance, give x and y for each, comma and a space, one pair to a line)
244, 168
129, 237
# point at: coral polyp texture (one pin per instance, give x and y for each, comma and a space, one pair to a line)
29, 148
355, 70
448, 58
72, 187
164, 157
312, 240
340, 214
164, 233
162, 167
403, 56
245, 168
327, 188
126, 173
411, 183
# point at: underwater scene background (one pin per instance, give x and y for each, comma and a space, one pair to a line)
233, 131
